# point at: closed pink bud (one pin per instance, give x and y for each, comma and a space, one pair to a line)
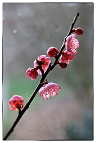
52, 52
62, 65
16, 103
32, 73
78, 31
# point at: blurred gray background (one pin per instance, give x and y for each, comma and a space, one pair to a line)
29, 29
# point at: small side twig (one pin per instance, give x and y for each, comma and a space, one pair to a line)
40, 67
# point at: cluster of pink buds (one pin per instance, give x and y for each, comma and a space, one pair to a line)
33, 72
71, 48
41, 65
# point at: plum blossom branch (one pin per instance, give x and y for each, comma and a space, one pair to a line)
32, 71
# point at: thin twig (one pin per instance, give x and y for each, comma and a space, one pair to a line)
51, 66
40, 67
72, 24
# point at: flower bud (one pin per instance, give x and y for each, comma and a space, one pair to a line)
78, 31
52, 52
62, 65
32, 73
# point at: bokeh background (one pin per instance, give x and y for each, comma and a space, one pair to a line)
29, 29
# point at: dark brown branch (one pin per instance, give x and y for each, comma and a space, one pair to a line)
21, 112
40, 67
72, 24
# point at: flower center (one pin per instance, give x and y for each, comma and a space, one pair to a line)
51, 92
18, 106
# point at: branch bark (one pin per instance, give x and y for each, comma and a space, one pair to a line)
41, 81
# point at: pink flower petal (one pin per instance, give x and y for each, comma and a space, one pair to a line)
50, 89
72, 44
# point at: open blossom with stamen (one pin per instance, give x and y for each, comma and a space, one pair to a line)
45, 61
52, 52
32, 73
72, 44
16, 102
66, 57
50, 89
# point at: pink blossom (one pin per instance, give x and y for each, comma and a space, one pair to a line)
66, 57
72, 44
78, 31
32, 73
52, 52
50, 89
45, 61
16, 102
